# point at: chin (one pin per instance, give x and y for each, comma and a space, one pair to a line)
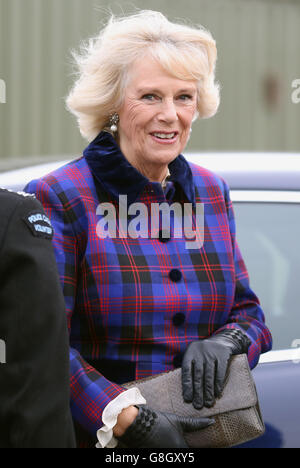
164, 159
167, 156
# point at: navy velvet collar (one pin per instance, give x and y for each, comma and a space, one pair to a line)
119, 177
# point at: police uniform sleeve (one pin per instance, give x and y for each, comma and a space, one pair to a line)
34, 373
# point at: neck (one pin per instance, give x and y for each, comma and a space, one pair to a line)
153, 172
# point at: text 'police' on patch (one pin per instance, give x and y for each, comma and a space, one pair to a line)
39, 225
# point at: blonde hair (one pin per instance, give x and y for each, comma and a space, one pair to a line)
188, 53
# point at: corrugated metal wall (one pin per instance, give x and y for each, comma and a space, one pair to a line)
258, 46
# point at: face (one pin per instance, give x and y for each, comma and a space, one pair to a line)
155, 118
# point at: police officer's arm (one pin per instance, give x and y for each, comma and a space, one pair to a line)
34, 381
91, 392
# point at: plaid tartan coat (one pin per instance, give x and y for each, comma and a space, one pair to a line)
134, 304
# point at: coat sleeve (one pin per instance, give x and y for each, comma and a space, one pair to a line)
34, 380
246, 312
90, 390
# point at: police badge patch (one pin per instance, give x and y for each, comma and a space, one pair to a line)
39, 224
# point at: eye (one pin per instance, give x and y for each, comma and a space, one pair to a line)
149, 97
185, 97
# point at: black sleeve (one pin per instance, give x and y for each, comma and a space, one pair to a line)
34, 373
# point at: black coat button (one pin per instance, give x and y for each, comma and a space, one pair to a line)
164, 236
178, 319
175, 275
177, 360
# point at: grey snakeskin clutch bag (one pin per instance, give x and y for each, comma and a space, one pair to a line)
237, 412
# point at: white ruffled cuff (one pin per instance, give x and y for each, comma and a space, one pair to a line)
110, 414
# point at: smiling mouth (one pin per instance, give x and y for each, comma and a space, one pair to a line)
165, 137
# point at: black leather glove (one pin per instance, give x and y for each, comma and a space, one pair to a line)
160, 430
205, 364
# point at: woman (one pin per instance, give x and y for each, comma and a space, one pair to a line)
34, 364
141, 304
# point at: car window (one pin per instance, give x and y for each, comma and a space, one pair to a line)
269, 238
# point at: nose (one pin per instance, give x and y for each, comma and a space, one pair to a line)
168, 111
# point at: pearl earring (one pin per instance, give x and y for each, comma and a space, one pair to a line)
113, 122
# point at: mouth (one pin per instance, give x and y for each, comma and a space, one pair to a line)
165, 137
